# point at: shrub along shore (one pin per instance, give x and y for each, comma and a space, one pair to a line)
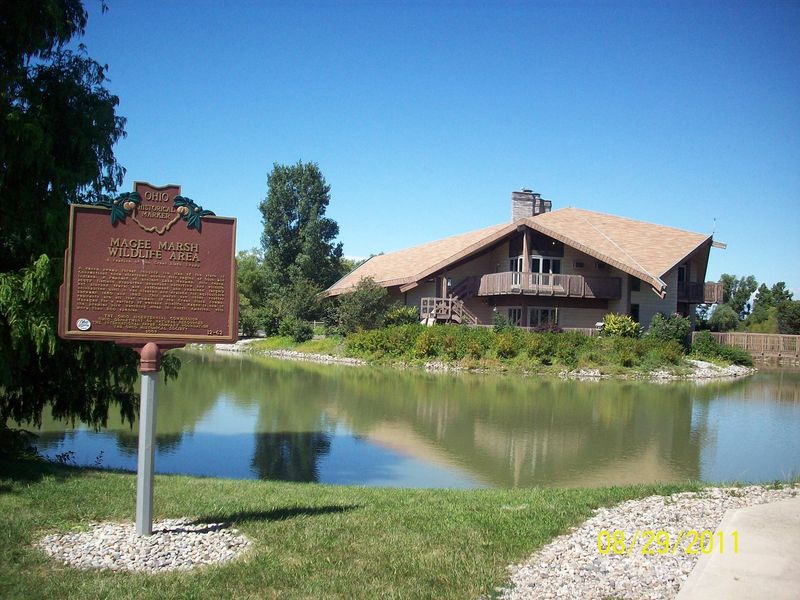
516, 350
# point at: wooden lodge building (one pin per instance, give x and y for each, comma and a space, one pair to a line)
568, 266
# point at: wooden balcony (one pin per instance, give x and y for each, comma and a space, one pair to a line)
545, 284
692, 292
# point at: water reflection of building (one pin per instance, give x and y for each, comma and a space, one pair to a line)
502, 431
523, 433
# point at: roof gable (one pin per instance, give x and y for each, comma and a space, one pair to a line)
645, 250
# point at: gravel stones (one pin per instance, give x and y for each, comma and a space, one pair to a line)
571, 566
325, 359
176, 544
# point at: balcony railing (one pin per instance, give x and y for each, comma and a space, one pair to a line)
545, 284
692, 292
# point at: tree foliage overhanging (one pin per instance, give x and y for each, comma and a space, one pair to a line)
57, 131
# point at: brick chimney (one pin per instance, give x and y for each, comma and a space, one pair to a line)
527, 203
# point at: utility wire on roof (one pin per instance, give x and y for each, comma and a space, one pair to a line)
620, 248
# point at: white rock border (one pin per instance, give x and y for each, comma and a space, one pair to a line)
571, 566
176, 545
702, 371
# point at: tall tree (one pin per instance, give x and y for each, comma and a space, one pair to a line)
779, 293
58, 126
789, 317
736, 292
298, 238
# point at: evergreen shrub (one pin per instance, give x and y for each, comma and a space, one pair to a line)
298, 330
706, 347
402, 315
675, 327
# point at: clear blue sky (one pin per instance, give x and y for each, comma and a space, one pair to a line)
424, 116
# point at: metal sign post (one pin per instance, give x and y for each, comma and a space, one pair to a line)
149, 365
151, 270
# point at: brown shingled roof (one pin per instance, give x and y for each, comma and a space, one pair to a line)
412, 264
645, 250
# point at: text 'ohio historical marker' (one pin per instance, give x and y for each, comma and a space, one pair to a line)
151, 270
155, 267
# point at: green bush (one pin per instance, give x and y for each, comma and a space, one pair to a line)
617, 325
724, 318
500, 322
542, 347
475, 349
396, 342
675, 327
506, 345
298, 330
788, 317
363, 308
425, 346
248, 318
568, 346
269, 318
402, 315
468, 345
706, 347
252, 319
672, 352
735, 355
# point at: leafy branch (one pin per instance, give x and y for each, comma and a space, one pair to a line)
122, 206
191, 212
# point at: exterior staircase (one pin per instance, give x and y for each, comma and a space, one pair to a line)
448, 310
467, 288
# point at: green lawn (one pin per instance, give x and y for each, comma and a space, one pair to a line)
326, 345
309, 541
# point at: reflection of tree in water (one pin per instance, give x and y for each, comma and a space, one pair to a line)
128, 442
290, 456
291, 429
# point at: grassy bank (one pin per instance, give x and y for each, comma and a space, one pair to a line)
309, 541
513, 349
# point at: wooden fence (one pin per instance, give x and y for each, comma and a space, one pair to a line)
760, 344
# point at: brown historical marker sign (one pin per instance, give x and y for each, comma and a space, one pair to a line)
151, 266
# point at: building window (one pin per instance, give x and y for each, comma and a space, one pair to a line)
578, 264
542, 316
600, 265
515, 266
540, 264
636, 284
514, 315
683, 273
635, 311
543, 245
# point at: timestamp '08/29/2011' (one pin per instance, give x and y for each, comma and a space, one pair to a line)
660, 542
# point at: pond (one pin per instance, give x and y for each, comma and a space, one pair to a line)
259, 418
